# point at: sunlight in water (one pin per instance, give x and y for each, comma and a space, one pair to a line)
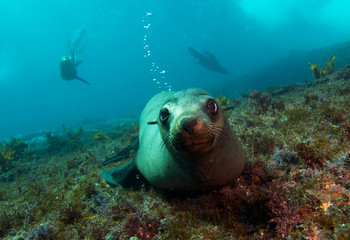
276, 13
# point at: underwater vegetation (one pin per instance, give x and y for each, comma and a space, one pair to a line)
296, 184
223, 101
318, 71
100, 136
259, 102
69, 140
11, 151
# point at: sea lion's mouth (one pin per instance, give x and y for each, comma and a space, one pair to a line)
187, 143
195, 143
198, 147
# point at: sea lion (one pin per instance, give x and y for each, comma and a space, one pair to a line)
207, 60
68, 69
69, 63
185, 143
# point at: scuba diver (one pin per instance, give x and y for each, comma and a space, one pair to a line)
207, 60
68, 64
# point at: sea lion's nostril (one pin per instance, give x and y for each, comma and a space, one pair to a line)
188, 124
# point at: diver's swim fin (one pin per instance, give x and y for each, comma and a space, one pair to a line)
79, 78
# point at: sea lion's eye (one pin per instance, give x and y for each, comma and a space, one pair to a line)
164, 115
212, 106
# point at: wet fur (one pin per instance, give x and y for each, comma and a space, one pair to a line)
161, 157
172, 154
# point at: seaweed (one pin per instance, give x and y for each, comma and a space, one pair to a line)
140, 226
312, 156
332, 114
69, 141
44, 231
6, 220
345, 131
259, 102
260, 143
318, 72
71, 213
11, 219
100, 136
223, 101
12, 151
345, 72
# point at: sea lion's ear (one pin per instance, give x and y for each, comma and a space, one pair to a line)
152, 122
226, 108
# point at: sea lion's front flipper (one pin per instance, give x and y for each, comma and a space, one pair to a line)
125, 153
79, 78
78, 62
124, 175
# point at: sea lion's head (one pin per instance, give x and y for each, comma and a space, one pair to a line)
66, 60
191, 122
68, 68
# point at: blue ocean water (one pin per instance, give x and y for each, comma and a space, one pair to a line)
242, 34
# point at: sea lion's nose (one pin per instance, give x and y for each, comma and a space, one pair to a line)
188, 124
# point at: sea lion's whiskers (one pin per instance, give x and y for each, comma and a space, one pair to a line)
167, 139
220, 135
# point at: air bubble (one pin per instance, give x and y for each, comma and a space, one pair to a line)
156, 71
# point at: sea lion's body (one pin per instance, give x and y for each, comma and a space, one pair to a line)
184, 144
68, 64
68, 69
207, 60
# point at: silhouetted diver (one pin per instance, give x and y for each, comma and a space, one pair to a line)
68, 64
207, 60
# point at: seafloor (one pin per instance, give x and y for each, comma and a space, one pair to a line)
296, 184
